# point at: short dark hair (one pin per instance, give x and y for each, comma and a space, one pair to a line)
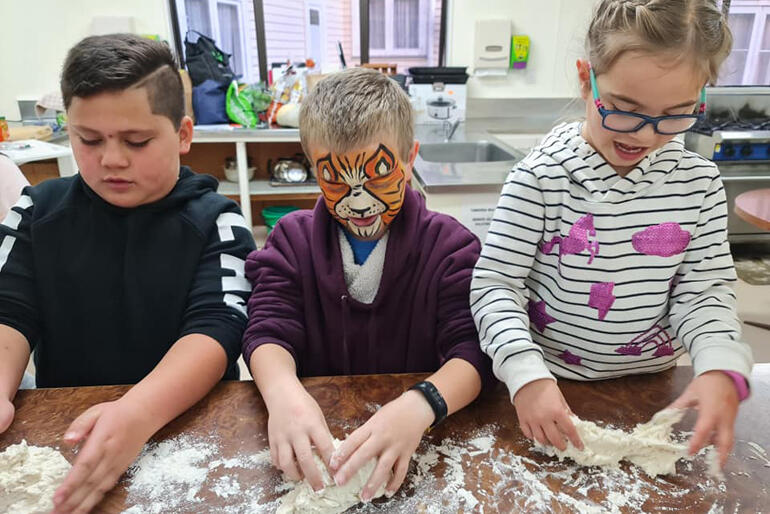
117, 62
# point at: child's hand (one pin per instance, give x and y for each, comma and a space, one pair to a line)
392, 435
715, 397
544, 414
7, 411
115, 433
292, 429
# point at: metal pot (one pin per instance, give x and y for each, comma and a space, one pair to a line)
440, 108
289, 171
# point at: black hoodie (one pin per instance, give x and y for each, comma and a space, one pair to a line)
102, 292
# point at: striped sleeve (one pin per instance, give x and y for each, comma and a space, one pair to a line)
702, 309
498, 294
216, 304
18, 306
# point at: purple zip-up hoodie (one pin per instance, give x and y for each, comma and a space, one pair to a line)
419, 319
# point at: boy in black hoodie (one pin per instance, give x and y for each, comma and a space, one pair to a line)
131, 272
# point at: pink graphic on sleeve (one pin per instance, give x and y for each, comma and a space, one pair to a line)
601, 297
538, 316
582, 236
570, 358
664, 240
656, 336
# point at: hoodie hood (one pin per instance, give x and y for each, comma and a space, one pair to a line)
597, 179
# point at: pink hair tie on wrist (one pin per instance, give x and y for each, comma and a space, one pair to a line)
741, 384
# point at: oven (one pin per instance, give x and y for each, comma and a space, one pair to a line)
739, 178
738, 141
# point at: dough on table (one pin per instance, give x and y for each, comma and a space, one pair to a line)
29, 475
649, 445
332, 499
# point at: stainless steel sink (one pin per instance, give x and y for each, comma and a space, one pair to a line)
479, 151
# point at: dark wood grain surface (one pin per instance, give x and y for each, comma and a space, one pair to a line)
235, 416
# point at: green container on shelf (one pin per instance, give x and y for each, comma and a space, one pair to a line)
273, 213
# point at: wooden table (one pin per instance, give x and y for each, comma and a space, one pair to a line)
754, 207
236, 415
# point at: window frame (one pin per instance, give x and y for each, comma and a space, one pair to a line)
178, 22
215, 29
425, 21
761, 12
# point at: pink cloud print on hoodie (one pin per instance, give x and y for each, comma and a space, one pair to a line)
662, 240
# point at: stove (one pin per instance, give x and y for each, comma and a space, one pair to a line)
738, 140
732, 136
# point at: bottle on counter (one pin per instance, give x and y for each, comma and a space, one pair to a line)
3, 129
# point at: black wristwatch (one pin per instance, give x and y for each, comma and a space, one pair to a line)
435, 400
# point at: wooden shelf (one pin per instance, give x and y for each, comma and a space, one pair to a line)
262, 188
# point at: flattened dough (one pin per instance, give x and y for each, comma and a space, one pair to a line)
649, 445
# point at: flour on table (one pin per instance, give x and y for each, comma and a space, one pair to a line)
649, 445
333, 499
758, 453
29, 476
168, 475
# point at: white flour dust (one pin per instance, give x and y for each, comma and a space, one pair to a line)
442, 477
184, 474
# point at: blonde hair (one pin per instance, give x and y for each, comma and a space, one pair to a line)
351, 108
688, 29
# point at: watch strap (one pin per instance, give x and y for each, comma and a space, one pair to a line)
434, 399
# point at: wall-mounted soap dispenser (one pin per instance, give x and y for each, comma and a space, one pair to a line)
492, 47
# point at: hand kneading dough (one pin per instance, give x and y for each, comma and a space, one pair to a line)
649, 445
332, 499
29, 475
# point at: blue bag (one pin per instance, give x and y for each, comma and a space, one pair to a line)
209, 103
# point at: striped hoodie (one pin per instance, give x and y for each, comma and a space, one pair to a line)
588, 275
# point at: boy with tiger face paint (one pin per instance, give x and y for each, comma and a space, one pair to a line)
370, 281
363, 190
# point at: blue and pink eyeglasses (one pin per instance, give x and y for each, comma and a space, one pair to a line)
625, 121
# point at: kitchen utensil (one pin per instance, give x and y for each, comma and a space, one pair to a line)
288, 170
440, 107
231, 170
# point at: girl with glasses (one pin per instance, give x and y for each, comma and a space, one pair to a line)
608, 252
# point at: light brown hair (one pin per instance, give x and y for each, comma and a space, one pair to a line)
351, 108
693, 30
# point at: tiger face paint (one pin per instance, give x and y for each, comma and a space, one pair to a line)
363, 190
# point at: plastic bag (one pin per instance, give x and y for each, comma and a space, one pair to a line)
244, 103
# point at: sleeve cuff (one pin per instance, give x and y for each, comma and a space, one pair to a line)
527, 368
253, 344
741, 384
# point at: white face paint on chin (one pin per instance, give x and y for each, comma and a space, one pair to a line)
371, 229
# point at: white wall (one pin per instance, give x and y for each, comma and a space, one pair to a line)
38, 33
556, 29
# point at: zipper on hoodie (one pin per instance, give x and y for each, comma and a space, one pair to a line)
345, 350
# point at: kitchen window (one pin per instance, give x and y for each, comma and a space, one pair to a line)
228, 22
262, 33
403, 32
749, 61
